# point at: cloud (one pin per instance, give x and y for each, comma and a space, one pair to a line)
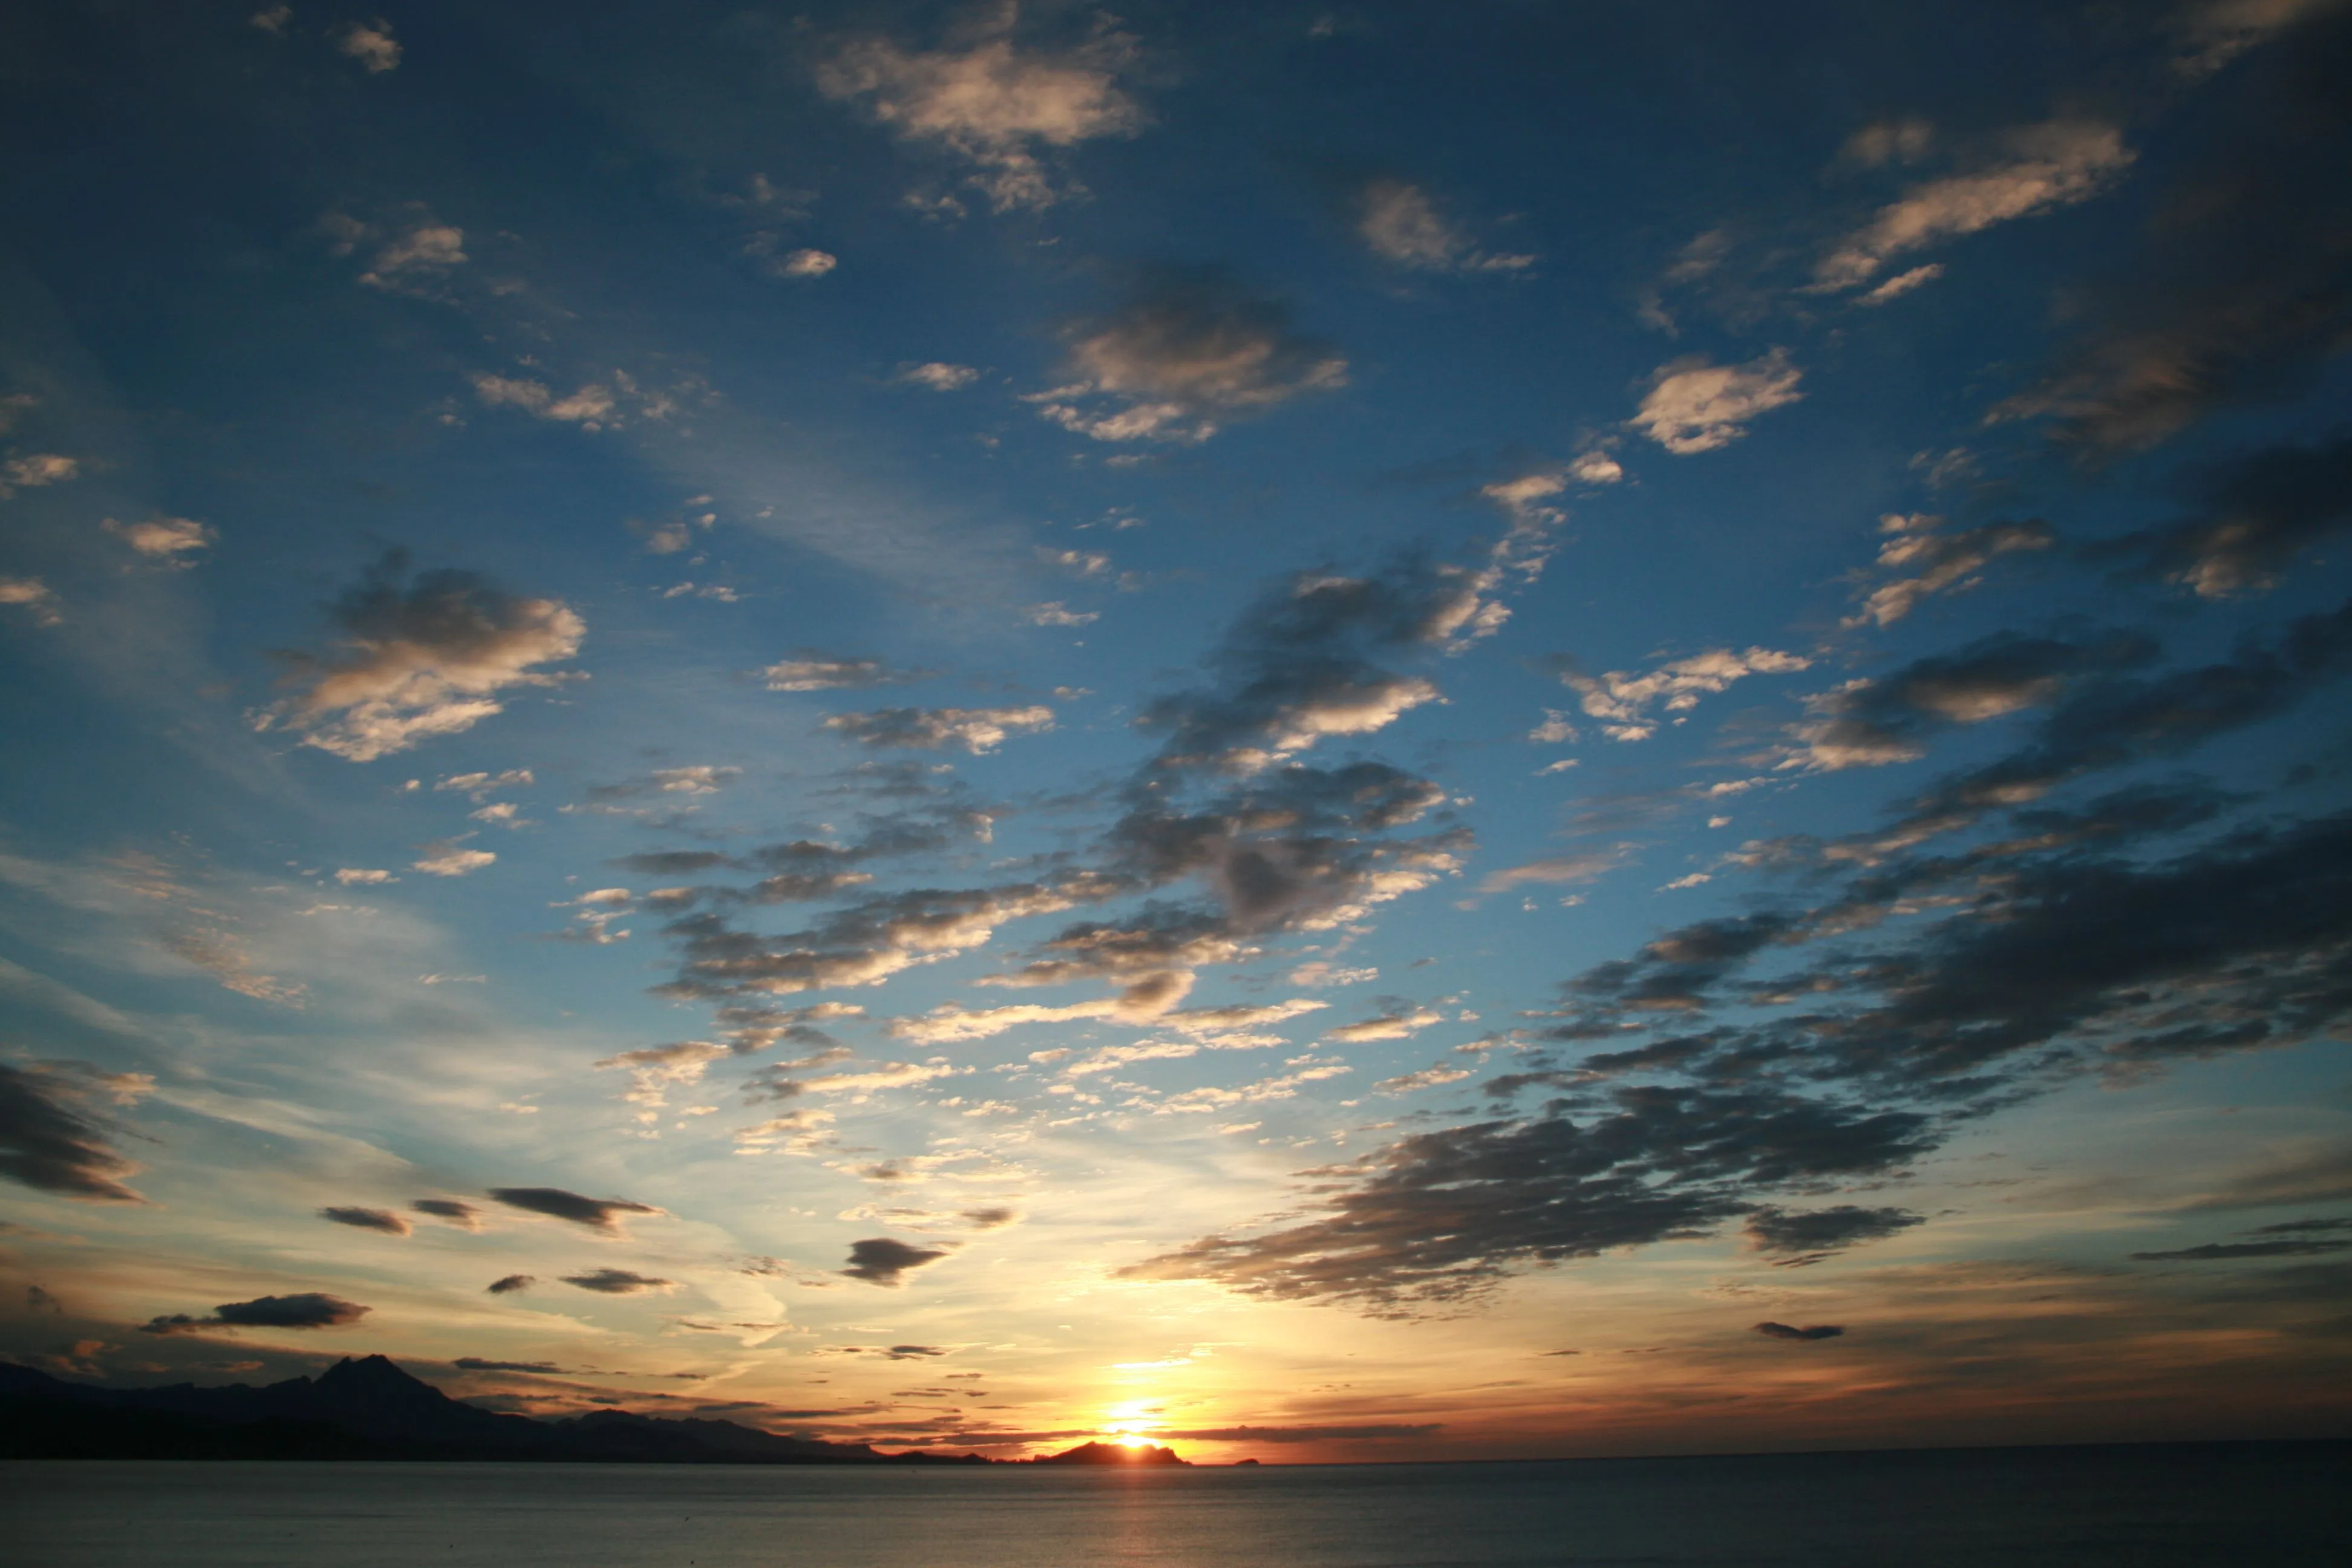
1443, 1215
1901, 283
413, 261
421, 658
2234, 292
594, 407
1694, 405
863, 945
1871, 723
480, 786
1821, 1231
163, 539
362, 876
370, 43
1057, 614
1622, 701
2118, 719
1189, 348
2238, 1251
1783, 1331
655, 1070
49, 1144
879, 1260
34, 595
1427, 1078
2212, 33
36, 469
994, 104
977, 730
383, 1220
806, 263
811, 669
1939, 563
618, 1282
1397, 1025
2053, 164
2258, 514
447, 857
1298, 665
1400, 223
537, 1368
464, 1215
1371, 1432
1885, 142
511, 1283
309, 1309
938, 375
597, 1213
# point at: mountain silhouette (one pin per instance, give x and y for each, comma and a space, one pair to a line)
368, 1408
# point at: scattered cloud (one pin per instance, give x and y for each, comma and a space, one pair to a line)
510, 1284
383, 1220
1622, 701
1397, 219
977, 730
464, 1215
618, 1282
1694, 406
602, 1215
879, 1260
34, 595
938, 375
370, 43
419, 658
166, 540
1783, 1331
811, 669
2054, 164
995, 104
1935, 562
307, 1309
1187, 351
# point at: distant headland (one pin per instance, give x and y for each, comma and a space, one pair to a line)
368, 1408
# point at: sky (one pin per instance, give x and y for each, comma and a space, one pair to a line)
1352, 732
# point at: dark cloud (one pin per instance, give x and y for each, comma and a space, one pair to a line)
976, 730
617, 1282
1301, 1433
1303, 663
1889, 719
1442, 1214
991, 1218
419, 658
464, 1215
674, 862
2244, 282
597, 1213
2257, 515
1784, 1331
383, 1220
1816, 1231
2225, 1251
2299, 1226
46, 1144
309, 1309
540, 1368
510, 1284
893, 1352
1189, 348
879, 1260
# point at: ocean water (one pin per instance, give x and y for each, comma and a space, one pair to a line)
2239, 1506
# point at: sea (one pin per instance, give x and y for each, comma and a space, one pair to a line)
2245, 1505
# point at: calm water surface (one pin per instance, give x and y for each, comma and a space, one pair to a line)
2254, 1505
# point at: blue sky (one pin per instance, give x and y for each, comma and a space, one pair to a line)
1412, 728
